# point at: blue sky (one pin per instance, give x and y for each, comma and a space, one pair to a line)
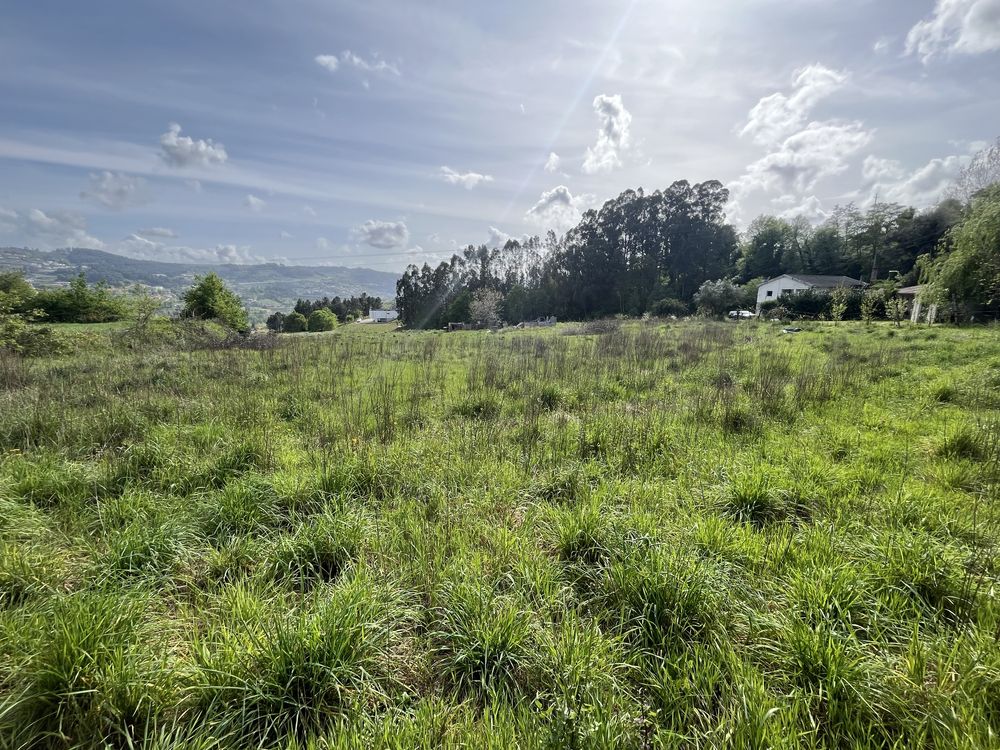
379, 133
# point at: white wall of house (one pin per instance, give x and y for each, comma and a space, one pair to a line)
774, 288
384, 316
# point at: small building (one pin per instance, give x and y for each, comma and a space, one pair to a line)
383, 316
918, 310
793, 283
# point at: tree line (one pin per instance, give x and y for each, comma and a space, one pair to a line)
323, 314
655, 252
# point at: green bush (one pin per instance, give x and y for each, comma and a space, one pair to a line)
295, 323
322, 320
210, 298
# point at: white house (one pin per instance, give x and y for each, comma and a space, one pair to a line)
792, 283
383, 316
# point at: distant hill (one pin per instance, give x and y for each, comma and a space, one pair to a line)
264, 287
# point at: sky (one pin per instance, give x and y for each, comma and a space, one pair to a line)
379, 133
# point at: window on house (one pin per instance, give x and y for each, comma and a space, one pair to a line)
770, 292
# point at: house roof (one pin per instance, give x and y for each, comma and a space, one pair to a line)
910, 290
823, 282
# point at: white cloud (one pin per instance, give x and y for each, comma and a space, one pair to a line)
874, 169
552, 163
957, 26
157, 232
49, 230
254, 203
925, 186
613, 137
332, 63
777, 116
322, 243
383, 234
183, 151
496, 237
800, 152
115, 190
309, 211
558, 208
285, 235
810, 208
819, 150
468, 180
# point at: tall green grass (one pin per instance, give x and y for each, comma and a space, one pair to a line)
613, 535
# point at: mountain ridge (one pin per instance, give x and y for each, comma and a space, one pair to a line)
264, 287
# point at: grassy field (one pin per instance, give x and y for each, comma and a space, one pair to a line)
605, 535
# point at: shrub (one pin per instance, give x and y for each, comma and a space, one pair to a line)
668, 306
322, 320
210, 298
295, 323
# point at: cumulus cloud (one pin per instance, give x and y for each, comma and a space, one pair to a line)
161, 232
925, 186
333, 63
778, 115
874, 169
558, 208
496, 237
183, 151
50, 229
613, 137
967, 27
819, 150
115, 190
468, 180
552, 163
254, 203
384, 235
810, 208
800, 151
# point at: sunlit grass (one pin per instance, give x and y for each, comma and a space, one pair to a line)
634, 535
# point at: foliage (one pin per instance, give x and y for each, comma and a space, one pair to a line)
355, 306
276, 322
895, 309
872, 302
967, 279
17, 335
81, 303
295, 322
322, 320
210, 298
485, 307
668, 306
716, 298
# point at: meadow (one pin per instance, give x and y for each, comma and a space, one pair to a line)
602, 535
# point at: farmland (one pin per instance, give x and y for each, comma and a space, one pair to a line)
608, 534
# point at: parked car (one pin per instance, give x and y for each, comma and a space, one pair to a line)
740, 315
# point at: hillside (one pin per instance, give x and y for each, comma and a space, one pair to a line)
264, 287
